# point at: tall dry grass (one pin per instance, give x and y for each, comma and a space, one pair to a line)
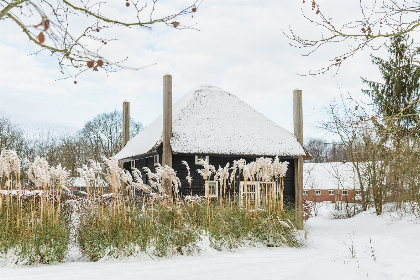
121, 225
121, 216
33, 229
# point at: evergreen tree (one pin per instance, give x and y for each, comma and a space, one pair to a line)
397, 98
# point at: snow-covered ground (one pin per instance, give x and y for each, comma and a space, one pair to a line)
362, 247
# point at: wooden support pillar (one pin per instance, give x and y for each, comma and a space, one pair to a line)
167, 120
298, 130
126, 123
167, 127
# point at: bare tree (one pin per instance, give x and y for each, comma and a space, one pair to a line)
64, 149
387, 168
350, 125
322, 150
102, 136
12, 136
377, 20
71, 30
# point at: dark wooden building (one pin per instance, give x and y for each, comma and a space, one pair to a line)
210, 122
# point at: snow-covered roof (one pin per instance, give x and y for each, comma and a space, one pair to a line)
78, 182
330, 175
209, 120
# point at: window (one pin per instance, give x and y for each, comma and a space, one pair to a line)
305, 192
248, 191
156, 159
212, 189
133, 164
357, 192
197, 159
331, 192
344, 192
317, 192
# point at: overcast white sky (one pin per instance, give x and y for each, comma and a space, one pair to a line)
240, 47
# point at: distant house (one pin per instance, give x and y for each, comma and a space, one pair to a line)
79, 183
211, 123
331, 181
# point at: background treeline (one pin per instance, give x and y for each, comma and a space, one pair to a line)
101, 136
322, 150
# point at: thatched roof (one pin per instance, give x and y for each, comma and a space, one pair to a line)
209, 120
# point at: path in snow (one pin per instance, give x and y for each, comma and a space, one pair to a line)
395, 245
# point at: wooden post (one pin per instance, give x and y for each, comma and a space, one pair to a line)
167, 127
126, 123
298, 130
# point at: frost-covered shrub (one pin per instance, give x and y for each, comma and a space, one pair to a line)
345, 210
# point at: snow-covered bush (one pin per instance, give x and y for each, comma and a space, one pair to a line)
345, 210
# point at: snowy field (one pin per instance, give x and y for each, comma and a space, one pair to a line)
362, 247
